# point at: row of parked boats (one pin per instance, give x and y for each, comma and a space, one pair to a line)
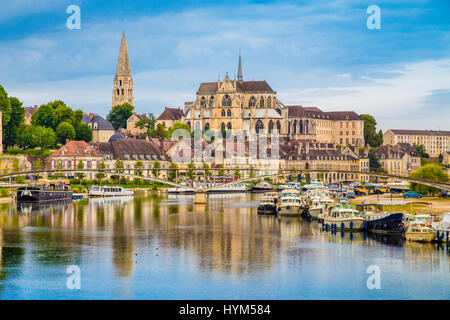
319, 204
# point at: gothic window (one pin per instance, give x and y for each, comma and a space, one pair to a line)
229, 126
118, 91
269, 102
222, 126
301, 126
289, 127
203, 102
252, 102
226, 101
229, 113
261, 102
295, 127
223, 113
123, 91
306, 129
270, 126
259, 126
211, 102
278, 125
120, 82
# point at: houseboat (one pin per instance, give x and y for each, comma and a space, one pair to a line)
45, 190
419, 231
262, 187
344, 217
268, 205
107, 191
290, 203
380, 221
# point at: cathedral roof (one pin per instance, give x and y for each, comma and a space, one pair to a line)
242, 86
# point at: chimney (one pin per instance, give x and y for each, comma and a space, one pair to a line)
91, 116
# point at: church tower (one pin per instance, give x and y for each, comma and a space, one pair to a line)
240, 77
123, 82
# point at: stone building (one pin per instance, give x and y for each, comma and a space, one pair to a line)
400, 159
102, 129
169, 116
435, 142
131, 124
123, 81
253, 106
29, 111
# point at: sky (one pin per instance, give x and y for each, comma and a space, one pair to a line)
314, 53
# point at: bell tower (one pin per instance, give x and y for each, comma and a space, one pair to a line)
123, 82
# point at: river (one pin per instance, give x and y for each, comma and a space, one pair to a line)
164, 247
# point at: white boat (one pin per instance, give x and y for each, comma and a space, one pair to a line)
314, 185
290, 185
236, 187
290, 203
319, 206
107, 191
344, 217
442, 228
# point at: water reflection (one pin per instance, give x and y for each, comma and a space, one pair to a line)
224, 238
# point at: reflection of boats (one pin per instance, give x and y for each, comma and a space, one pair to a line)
110, 200
45, 190
344, 217
290, 203
381, 221
268, 204
262, 187
387, 238
42, 207
418, 231
77, 196
106, 191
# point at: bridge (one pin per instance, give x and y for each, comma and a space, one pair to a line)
213, 171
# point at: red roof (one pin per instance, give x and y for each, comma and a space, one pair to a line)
77, 148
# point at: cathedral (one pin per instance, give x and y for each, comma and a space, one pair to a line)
249, 107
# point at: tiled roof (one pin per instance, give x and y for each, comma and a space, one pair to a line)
77, 148
102, 123
420, 132
132, 149
242, 86
171, 114
343, 115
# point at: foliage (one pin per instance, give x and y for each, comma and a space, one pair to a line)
431, 171
38, 166
173, 173
65, 131
252, 172
421, 151
83, 132
374, 164
80, 166
5, 106
15, 165
160, 131
119, 115
138, 166
156, 167
44, 116
101, 166
37, 136
237, 173
221, 172
13, 151
12, 132
371, 136
206, 167
178, 125
4, 193
148, 123
191, 173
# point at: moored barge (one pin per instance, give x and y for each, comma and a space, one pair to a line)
45, 190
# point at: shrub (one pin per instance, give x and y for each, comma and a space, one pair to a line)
13, 151
4, 193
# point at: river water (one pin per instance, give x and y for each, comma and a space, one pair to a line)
165, 247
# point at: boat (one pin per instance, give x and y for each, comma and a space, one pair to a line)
380, 221
442, 228
45, 190
313, 185
262, 187
227, 188
318, 207
290, 185
419, 231
107, 191
77, 196
344, 217
290, 203
268, 205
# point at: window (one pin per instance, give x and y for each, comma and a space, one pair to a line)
261, 102
211, 101
259, 126
252, 102
222, 126
123, 91
270, 126
229, 113
223, 113
229, 126
226, 101
269, 102
203, 102
120, 82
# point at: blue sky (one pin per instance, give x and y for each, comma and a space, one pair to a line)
314, 53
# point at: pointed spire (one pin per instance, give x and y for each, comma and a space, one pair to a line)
239, 77
123, 63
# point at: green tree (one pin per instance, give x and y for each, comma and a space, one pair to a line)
148, 124
421, 151
138, 166
252, 172
178, 125
15, 165
156, 167
65, 131
44, 116
160, 131
83, 132
59, 167
119, 115
38, 166
430, 171
101, 166
37, 136
80, 166
374, 164
206, 167
237, 173
173, 173
12, 132
62, 113
5, 107
371, 136
191, 173
221, 172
